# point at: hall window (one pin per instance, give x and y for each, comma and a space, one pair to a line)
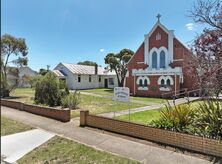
99, 78
79, 78
168, 82
141, 82
162, 59
154, 60
162, 83
90, 78
111, 81
145, 82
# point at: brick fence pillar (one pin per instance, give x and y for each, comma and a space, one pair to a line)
83, 117
22, 106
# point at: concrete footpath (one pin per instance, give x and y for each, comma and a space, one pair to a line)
109, 143
15, 146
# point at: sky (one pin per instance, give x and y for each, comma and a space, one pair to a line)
76, 30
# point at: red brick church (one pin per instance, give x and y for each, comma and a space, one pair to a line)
160, 65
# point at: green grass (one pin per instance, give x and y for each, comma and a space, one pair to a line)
97, 105
61, 150
109, 92
94, 104
9, 126
25, 95
100, 91
146, 117
143, 117
148, 99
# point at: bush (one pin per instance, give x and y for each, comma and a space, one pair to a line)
208, 118
71, 101
47, 90
62, 84
177, 118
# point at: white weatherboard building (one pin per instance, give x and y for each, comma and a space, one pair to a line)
85, 77
23, 73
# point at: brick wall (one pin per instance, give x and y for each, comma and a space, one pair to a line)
57, 114
12, 104
186, 141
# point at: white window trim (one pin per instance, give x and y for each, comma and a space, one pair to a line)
165, 78
158, 50
143, 79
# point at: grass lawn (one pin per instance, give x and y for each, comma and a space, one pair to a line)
9, 126
100, 91
146, 117
61, 150
94, 104
25, 95
97, 105
143, 117
109, 92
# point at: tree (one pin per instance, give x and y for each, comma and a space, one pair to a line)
207, 47
43, 71
87, 62
117, 62
11, 45
33, 80
47, 90
207, 12
208, 61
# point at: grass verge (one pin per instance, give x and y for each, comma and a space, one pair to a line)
9, 126
61, 150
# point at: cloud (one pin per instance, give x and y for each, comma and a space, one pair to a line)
102, 50
190, 26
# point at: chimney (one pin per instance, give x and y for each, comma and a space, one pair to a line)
96, 69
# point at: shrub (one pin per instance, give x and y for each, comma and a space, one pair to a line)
208, 118
62, 84
71, 101
47, 90
177, 118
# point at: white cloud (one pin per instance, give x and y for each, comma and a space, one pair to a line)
102, 50
190, 26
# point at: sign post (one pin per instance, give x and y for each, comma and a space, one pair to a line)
122, 94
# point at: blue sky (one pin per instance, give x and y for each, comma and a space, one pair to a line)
77, 30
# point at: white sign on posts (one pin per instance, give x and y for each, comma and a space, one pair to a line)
121, 94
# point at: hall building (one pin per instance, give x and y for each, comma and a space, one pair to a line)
161, 65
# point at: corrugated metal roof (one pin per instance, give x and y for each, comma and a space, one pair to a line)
88, 70
58, 73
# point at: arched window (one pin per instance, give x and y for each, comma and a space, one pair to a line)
162, 59
168, 82
145, 82
162, 83
154, 60
141, 82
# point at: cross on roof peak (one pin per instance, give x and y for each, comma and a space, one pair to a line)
158, 17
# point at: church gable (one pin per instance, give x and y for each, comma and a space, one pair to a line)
160, 65
137, 61
158, 38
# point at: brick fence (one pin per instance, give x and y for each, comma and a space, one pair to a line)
57, 114
181, 140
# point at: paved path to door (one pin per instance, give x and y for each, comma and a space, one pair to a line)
97, 139
154, 106
110, 97
15, 146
